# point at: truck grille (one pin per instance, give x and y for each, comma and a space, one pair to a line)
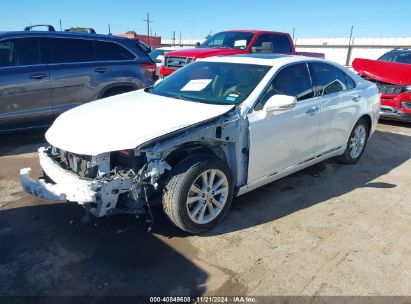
385, 88
390, 89
79, 164
177, 62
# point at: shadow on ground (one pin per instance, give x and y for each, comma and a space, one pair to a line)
46, 250
21, 142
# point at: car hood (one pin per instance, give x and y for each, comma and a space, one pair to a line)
126, 121
204, 52
389, 72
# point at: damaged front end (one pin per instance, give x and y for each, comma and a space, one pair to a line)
104, 184
394, 83
123, 181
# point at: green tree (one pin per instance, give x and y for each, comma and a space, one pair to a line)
132, 32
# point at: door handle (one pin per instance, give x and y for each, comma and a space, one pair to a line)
101, 70
356, 98
313, 110
38, 76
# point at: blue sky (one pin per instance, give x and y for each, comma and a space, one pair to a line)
195, 19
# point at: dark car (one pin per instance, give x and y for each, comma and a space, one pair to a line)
43, 74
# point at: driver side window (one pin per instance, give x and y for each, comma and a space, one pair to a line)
292, 81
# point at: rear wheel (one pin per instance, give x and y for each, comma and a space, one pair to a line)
356, 143
198, 193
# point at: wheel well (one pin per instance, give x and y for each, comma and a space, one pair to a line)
187, 150
368, 120
121, 88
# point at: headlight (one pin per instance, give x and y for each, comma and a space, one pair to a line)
408, 88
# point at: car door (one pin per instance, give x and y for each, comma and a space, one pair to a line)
74, 72
25, 97
282, 139
339, 103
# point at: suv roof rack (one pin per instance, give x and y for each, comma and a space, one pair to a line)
50, 28
88, 30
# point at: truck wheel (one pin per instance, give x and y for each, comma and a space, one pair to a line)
356, 143
198, 193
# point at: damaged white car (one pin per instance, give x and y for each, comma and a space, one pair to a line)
213, 130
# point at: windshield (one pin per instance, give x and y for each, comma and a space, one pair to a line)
231, 40
212, 82
400, 57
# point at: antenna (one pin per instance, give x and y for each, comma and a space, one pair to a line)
61, 29
109, 29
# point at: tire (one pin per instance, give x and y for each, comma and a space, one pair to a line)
355, 141
196, 216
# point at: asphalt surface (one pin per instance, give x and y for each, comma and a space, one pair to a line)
331, 229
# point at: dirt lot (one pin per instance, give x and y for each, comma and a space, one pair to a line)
328, 230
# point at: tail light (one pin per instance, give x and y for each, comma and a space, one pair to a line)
150, 70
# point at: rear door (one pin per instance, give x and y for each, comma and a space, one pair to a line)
125, 69
75, 75
339, 102
25, 97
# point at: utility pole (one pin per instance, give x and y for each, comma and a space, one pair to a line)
349, 47
148, 23
109, 29
174, 38
61, 29
180, 38
293, 33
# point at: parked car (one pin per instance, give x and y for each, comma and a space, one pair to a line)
392, 74
43, 74
232, 43
216, 129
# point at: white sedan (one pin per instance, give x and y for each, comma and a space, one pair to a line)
215, 129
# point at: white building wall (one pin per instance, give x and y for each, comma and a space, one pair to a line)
335, 49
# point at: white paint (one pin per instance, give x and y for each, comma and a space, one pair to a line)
125, 121
69, 186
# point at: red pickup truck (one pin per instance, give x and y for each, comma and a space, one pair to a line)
232, 43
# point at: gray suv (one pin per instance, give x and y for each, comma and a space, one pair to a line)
43, 74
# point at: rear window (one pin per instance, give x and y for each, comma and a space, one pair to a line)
112, 51
65, 50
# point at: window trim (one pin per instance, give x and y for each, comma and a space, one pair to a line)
316, 90
42, 56
261, 95
94, 49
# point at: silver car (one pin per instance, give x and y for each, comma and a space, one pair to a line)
43, 74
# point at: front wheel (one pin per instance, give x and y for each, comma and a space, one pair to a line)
356, 143
198, 193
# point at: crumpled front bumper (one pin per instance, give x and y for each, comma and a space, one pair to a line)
71, 187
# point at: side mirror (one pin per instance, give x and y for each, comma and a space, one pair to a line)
280, 103
197, 44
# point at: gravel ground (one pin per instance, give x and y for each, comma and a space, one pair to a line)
331, 229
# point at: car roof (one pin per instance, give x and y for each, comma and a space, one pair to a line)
263, 59
21, 34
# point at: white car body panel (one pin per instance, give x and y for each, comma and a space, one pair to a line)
125, 121
275, 144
